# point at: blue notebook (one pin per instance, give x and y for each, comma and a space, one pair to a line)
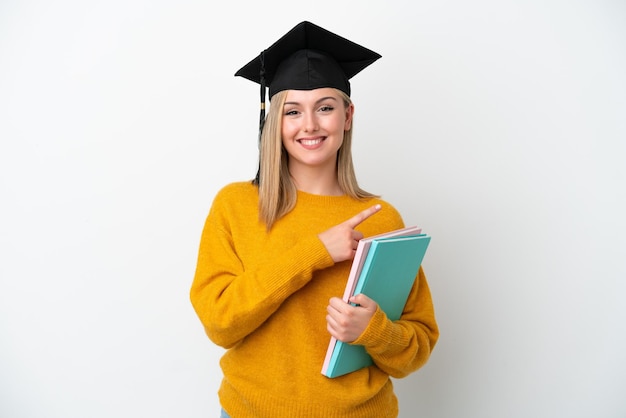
389, 271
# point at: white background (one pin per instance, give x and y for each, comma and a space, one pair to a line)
497, 126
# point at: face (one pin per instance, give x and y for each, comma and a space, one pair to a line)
313, 125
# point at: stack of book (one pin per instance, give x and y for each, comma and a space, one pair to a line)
384, 268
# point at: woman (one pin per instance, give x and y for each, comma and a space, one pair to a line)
275, 252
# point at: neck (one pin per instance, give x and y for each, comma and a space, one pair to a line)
316, 181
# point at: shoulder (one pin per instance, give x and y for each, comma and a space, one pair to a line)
238, 188
234, 198
234, 207
391, 215
389, 208
241, 191
385, 220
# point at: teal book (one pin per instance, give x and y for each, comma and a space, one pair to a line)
387, 276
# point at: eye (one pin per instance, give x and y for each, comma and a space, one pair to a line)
327, 108
292, 112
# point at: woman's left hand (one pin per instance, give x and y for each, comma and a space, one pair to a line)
346, 322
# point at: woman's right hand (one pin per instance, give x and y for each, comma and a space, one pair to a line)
341, 240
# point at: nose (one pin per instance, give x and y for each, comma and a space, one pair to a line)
310, 123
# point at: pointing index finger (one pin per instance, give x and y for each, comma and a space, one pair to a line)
360, 217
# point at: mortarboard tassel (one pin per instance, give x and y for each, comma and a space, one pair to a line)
262, 114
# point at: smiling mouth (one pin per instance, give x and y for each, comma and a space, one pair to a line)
310, 142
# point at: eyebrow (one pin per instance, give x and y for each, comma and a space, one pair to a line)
316, 102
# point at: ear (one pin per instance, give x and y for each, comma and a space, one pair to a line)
349, 117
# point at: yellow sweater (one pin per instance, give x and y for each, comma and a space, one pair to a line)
263, 296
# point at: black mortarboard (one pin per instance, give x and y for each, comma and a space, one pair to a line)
306, 58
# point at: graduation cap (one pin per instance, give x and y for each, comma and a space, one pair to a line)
306, 58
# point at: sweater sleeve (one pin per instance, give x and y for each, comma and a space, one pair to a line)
401, 347
231, 300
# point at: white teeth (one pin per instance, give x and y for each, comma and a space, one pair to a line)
310, 142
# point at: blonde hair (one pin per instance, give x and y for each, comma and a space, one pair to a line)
277, 191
